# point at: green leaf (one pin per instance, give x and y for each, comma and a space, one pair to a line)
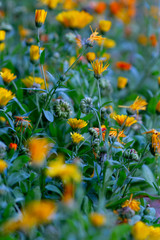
106, 103
122, 177
48, 115
120, 231
16, 177
152, 104
148, 175
129, 144
5, 115
54, 189
42, 57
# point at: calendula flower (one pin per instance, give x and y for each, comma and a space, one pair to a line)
93, 37
103, 129
34, 53
117, 133
74, 18
52, 4
154, 233
72, 60
5, 96
132, 203
68, 195
76, 137
13, 146
123, 66
3, 165
100, 7
124, 119
97, 219
153, 40
2, 35
23, 32
22, 122
91, 56
105, 25
6, 75
69, 4
38, 150
35, 213
155, 139
40, 17
107, 43
31, 82
2, 120
158, 107
67, 172
98, 68
139, 104
77, 123
122, 82
2, 46
140, 231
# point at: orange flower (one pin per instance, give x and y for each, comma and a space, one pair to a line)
13, 146
103, 128
94, 37
139, 104
155, 139
158, 107
22, 122
132, 203
40, 16
98, 68
68, 193
117, 133
124, 120
153, 40
123, 65
100, 7
115, 7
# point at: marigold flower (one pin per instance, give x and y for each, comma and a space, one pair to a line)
94, 37
38, 150
132, 203
6, 75
2, 35
140, 231
13, 146
105, 25
36, 82
139, 104
122, 82
22, 122
5, 96
40, 16
34, 53
123, 66
155, 139
3, 165
97, 219
91, 56
76, 137
67, 172
98, 68
74, 18
75, 123
35, 213
124, 120
116, 133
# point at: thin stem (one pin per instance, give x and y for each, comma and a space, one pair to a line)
99, 123
99, 94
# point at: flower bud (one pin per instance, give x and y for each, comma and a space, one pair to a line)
131, 154
62, 109
93, 132
2, 149
86, 105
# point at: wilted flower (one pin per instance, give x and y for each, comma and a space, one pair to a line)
98, 68
86, 105
67, 172
97, 219
74, 18
5, 96
122, 82
62, 109
76, 137
2, 35
34, 53
22, 122
124, 119
40, 16
105, 25
93, 37
132, 203
3, 165
6, 75
77, 123
38, 150
123, 66
155, 139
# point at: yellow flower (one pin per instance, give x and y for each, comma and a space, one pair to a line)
69, 4
132, 203
98, 67
142, 39
2, 119
139, 104
74, 18
72, 60
2, 35
3, 165
124, 119
158, 107
154, 233
107, 43
105, 57
91, 56
5, 96
159, 80
75, 123
2, 47
122, 82
67, 172
105, 25
94, 37
30, 82
6, 75
34, 53
40, 16
52, 4
116, 133
140, 231
23, 32
38, 150
97, 219
76, 137
155, 138
36, 212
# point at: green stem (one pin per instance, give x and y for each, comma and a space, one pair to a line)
99, 123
